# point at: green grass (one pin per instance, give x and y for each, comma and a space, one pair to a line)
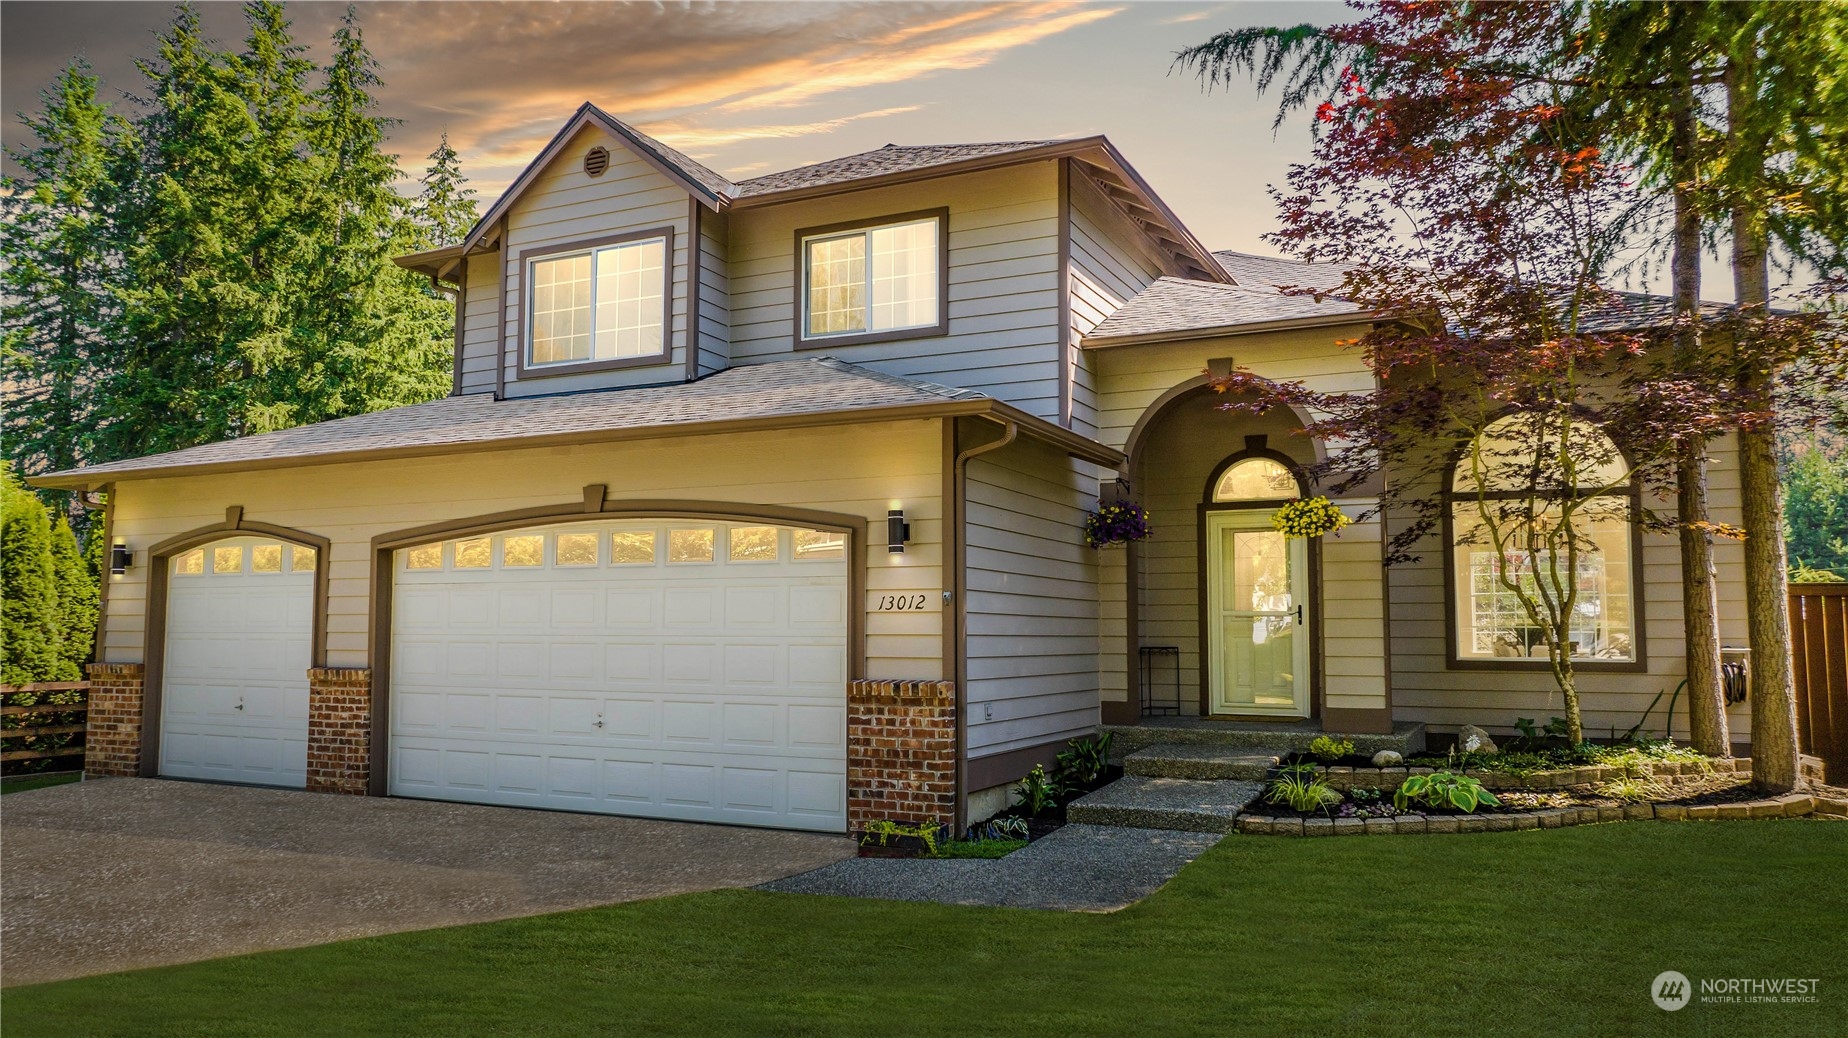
21, 783
977, 848
1550, 932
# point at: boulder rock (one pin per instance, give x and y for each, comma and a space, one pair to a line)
1474, 740
1387, 759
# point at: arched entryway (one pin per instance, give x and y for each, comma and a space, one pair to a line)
1194, 599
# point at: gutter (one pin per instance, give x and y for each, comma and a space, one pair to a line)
1228, 330
1075, 445
960, 613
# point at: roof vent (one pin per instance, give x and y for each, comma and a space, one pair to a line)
597, 161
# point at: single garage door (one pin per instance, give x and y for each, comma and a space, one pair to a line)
234, 674
670, 669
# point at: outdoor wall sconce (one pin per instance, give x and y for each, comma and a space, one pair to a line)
120, 558
898, 531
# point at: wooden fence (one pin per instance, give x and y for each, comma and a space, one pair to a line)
1819, 655
25, 729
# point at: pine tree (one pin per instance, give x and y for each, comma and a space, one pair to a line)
54, 257
444, 209
29, 635
75, 583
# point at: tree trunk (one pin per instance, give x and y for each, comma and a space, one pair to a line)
1699, 601
1767, 604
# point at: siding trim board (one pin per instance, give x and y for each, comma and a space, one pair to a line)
799, 324
384, 546
695, 245
1067, 372
154, 630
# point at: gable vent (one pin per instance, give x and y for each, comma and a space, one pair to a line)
597, 161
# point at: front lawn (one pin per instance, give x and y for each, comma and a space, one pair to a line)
1550, 932
21, 783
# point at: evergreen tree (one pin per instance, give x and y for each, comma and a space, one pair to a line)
76, 585
54, 257
444, 209
29, 635
1816, 503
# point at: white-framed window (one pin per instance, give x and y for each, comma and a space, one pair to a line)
872, 280
607, 303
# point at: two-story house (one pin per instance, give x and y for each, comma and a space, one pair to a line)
762, 502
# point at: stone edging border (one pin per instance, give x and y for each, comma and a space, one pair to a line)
1790, 805
1387, 779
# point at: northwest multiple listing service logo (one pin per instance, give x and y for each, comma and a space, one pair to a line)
1672, 990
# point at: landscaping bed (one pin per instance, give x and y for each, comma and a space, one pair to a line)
1038, 811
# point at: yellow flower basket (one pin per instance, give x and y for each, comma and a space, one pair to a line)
1311, 517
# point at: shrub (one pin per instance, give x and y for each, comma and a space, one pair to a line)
1329, 750
31, 640
1083, 764
1443, 789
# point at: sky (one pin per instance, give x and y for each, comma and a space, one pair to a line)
750, 88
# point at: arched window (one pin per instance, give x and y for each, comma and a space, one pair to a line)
1555, 524
1255, 479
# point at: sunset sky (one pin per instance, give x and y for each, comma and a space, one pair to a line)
756, 87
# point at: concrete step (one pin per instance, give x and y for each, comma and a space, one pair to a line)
1143, 802
1407, 737
1203, 761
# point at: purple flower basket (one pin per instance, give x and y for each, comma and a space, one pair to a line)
1118, 523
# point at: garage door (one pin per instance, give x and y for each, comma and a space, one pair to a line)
670, 669
234, 674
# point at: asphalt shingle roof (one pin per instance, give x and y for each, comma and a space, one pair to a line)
893, 158
1272, 273
809, 386
1180, 305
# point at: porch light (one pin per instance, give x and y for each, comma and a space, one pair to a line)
898, 531
120, 558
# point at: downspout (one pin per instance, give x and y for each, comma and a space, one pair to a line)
959, 670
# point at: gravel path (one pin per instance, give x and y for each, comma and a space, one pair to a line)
1079, 868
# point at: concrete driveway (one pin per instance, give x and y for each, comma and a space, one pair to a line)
118, 874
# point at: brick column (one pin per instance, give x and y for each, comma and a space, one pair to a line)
112, 732
339, 730
901, 752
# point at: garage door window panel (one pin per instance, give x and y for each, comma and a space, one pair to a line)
632, 548
689, 546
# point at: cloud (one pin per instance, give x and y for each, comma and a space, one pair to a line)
695, 140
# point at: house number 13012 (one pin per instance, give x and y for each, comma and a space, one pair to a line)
901, 603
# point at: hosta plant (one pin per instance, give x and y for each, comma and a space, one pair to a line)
1442, 789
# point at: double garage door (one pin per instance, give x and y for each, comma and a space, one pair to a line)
682, 669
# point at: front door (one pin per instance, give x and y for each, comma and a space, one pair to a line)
1257, 584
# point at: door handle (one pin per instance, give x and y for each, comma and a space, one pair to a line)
1299, 614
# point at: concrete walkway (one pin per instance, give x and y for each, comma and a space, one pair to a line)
1079, 868
124, 873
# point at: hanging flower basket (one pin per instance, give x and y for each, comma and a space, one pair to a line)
1117, 523
1312, 517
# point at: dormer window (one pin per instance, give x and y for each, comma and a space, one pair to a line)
598, 304
874, 281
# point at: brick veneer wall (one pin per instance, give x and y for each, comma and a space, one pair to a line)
112, 732
339, 730
901, 752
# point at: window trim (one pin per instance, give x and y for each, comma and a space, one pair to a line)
799, 318
523, 315
1632, 492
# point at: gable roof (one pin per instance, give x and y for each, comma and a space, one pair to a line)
713, 190
891, 164
1180, 308
1274, 273
807, 391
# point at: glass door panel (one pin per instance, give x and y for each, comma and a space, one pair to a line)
1258, 651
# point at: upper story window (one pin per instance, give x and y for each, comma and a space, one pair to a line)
602, 303
873, 281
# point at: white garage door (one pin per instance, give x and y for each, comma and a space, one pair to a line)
672, 669
234, 675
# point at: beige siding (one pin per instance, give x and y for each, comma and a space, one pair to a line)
475, 364
1032, 601
1105, 273
714, 296
563, 206
1003, 282
1426, 689
1131, 380
869, 468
